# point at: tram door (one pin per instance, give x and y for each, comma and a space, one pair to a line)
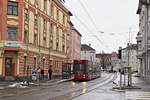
66, 70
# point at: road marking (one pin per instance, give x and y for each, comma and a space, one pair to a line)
137, 95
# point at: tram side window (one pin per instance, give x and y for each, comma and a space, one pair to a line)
79, 68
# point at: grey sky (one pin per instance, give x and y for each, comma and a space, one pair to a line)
114, 17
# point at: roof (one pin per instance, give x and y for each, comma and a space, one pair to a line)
71, 24
131, 47
141, 2
85, 47
61, 5
100, 55
134, 46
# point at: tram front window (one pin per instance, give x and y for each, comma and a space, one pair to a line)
79, 68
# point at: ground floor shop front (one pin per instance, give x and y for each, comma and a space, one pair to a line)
19, 64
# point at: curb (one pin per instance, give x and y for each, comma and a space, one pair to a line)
124, 88
65, 80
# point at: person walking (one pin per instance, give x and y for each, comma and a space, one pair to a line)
50, 72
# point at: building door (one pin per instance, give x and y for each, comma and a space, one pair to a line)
8, 66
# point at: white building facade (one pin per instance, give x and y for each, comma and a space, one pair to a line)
129, 58
88, 53
143, 38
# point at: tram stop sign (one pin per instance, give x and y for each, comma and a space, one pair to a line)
34, 73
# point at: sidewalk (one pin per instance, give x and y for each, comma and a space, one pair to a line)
141, 83
6, 91
137, 83
5, 84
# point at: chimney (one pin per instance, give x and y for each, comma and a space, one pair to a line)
90, 44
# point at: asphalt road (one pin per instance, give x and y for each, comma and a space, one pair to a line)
65, 91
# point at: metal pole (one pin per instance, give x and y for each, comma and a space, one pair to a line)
129, 69
39, 56
120, 79
124, 77
120, 48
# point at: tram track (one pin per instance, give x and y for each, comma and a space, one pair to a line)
84, 90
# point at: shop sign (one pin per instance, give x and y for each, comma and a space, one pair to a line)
11, 44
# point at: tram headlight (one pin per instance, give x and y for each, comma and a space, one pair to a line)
84, 76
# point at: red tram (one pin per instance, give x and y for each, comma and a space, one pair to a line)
86, 70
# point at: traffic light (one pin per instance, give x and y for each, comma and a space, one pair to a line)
119, 54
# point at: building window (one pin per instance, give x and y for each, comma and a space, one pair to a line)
63, 19
36, 2
35, 21
12, 8
52, 10
63, 36
63, 48
34, 63
44, 62
57, 15
51, 44
12, 33
44, 26
35, 39
44, 41
26, 16
25, 62
51, 28
57, 46
25, 37
57, 33
45, 5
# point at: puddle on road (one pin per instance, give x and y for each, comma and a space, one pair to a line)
84, 91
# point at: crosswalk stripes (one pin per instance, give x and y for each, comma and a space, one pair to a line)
137, 95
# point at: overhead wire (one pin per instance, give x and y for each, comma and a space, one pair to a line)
95, 26
93, 21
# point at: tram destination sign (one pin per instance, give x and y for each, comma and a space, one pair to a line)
12, 44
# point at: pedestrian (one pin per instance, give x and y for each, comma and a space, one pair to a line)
50, 72
42, 74
112, 68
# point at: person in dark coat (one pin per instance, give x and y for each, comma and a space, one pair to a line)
50, 72
42, 74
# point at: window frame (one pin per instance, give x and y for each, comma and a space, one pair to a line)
12, 6
25, 62
52, 10
26, 15
16, 37
25, 36
35, 62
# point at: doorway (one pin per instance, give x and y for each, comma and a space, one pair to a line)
8, 66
